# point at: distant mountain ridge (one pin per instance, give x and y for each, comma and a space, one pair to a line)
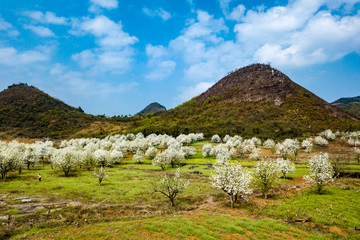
26, 111
349, 104
154, 107
254, 100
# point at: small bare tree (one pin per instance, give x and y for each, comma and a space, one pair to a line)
171, 186
101, 174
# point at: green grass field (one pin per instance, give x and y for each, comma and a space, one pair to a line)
125, 206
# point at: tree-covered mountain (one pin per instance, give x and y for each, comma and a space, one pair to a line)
152, 108
254, 100
349, 104
25, 111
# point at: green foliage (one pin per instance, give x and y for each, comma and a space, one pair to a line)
351, 105
300, 115
28, 112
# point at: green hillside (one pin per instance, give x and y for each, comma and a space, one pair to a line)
350, 104
255, 100
25, 111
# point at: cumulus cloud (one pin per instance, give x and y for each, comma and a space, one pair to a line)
299, 34
8, 28
40, 30
159, 64
114, 54
80, 84
107, 4
193, 91
47, 17
161, 70
10, 56
107, 32
206, 53
164, 15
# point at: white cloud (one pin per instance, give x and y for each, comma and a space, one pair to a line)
41, 31
108, 32
161, 70
107, 4
9, 56
115, 52
79, 84
193, 91
206, 54
155, 52
299, 34
164, 15
158, 63
48, 17
8, 28
237, 13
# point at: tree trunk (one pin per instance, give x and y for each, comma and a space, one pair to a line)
232, 201
100, 180
172, 202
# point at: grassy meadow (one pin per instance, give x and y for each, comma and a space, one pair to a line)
126, 207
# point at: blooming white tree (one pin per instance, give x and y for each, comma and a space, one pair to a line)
321, 141
269, 143
265, 175
255, 154
31, 155
8, 159
138, 156
320, 171
289, 148
357, 154
102, 157
307, 144
101, 174
328, 134
151, 152
215, 138
65, 158
222, 157
116, 156
188, 151
161, 160
285, 166
174, 155
206, 149
232, 179
226, 138
171, 186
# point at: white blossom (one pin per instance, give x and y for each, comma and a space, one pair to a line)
171, 186
307, 144
206, 150
285, 166
232, 179
265, 175
320, 171
215, 138
321, 141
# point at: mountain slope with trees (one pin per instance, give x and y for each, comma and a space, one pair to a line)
350, 104
152, 108
254, 100
25, 111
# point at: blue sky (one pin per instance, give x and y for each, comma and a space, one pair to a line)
114, 57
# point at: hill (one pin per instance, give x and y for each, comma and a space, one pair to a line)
152, 108
254, 100
350, 104
25, 111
